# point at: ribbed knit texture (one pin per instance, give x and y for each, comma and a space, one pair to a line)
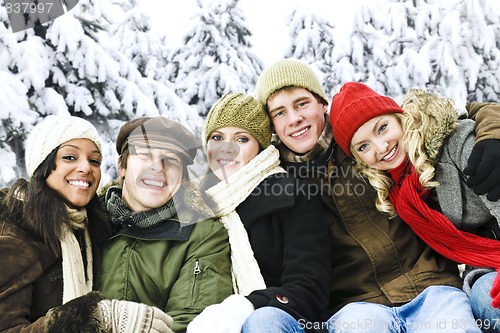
126, 317
228, 194
436, 230
353, 106
239, 110
77, 279
287, 73
51, 132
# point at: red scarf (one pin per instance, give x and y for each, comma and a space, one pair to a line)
435, 229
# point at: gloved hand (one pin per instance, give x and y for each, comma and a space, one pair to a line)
225, 317
495, 291
131, 317
483, 169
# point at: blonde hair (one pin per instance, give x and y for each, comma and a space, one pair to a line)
412, 122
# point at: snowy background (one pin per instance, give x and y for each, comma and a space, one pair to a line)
109, 61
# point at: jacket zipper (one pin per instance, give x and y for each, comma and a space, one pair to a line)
194, 292
197, 269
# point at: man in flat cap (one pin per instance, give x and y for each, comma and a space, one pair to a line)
159, 256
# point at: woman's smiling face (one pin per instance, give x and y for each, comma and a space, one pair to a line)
229, 149
379, 142
78, 171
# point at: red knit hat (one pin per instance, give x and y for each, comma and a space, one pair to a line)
354, 105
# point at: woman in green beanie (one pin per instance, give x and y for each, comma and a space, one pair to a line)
280, 248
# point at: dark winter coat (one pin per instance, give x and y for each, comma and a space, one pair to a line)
290, 240
31, 284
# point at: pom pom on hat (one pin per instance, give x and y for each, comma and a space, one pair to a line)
160, 133
354, 105
239, 110
53, 131
287, 73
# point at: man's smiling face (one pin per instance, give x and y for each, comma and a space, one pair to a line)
298, 118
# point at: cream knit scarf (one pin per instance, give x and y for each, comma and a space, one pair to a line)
76, 281
228, 194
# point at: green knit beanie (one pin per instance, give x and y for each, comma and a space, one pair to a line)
287, 73
239, 110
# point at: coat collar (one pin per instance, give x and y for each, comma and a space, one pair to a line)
170, 230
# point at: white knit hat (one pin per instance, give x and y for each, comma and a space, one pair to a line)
51, 132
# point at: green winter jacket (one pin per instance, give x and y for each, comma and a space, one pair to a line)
178, 267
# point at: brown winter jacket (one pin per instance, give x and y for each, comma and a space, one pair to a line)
487, 117
389, 264
375, 259
31, 284
28, 267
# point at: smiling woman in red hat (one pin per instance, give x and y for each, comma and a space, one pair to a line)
413, 156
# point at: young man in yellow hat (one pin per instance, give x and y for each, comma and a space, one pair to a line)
377, 263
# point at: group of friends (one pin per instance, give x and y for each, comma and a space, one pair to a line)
346, 215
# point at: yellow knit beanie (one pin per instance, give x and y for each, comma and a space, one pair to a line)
239, 110
287, 73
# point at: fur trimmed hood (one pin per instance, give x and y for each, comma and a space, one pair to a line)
442, 118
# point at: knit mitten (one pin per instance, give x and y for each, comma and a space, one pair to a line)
228, 316
495, 291
130, 317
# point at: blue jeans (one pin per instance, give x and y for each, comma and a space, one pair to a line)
271, 320
437, 309
480, 300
